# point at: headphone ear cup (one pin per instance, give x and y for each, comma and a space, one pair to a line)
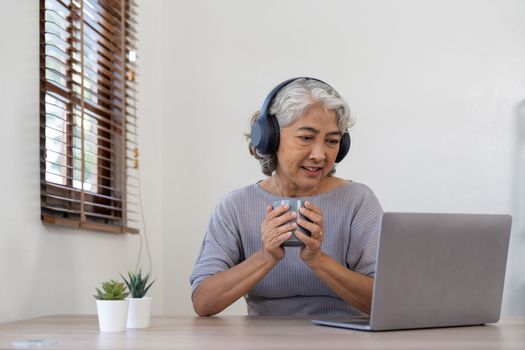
273, 145
344, 147
265, 134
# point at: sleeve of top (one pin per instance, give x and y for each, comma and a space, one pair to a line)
364, 231
221, 246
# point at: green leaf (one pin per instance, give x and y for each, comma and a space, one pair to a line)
112, 290
137, 283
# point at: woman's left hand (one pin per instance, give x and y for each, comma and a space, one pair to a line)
312, 245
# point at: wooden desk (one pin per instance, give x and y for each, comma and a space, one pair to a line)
242, 332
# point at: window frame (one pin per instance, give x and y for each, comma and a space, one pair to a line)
96, 35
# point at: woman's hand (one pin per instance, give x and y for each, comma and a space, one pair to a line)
312, 245
275, 229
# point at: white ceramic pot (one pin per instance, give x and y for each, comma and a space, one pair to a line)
139, 312
112, 315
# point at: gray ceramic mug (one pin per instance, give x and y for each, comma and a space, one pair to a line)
294, 205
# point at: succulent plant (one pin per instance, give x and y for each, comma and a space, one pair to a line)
137, 284
112, 290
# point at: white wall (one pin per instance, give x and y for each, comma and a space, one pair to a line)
434, 85
48, 269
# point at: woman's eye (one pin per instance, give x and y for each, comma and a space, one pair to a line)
332, 141
305, 138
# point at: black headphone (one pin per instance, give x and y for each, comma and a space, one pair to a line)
265, 131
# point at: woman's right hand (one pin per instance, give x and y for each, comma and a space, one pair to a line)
220, 290
275, 229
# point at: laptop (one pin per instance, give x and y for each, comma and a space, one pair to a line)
436, 270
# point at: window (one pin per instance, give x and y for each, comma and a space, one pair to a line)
88, 125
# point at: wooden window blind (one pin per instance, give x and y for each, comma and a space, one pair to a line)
88, 120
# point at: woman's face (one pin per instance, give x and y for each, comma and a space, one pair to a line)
307, 150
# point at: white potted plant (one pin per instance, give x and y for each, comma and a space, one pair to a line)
112, 306
139, 313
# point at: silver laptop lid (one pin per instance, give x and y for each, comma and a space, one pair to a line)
436, 270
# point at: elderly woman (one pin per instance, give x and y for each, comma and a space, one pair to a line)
299, 135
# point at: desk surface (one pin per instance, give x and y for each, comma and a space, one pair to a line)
243, 332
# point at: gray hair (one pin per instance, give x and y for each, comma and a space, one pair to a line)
291, 103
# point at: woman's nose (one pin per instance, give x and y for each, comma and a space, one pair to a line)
318, 151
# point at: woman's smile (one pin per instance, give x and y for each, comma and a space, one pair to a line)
312, 171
